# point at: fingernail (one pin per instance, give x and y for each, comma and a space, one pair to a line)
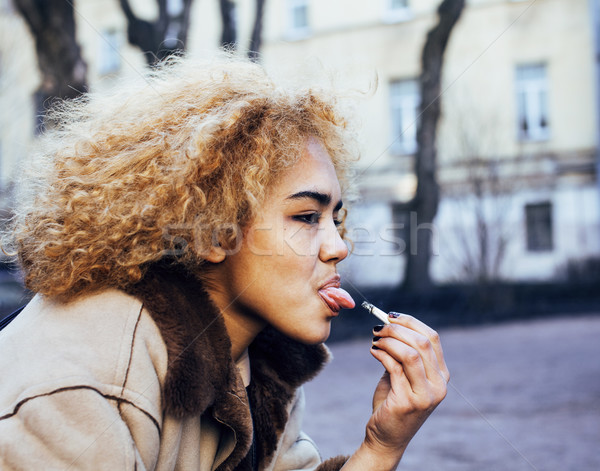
394, 315
375, 347
377, 328
375, 339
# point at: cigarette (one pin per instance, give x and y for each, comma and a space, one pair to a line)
378, 313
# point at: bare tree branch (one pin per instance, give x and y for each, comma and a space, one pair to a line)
52, 24
161, 38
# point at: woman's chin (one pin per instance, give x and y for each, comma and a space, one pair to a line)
315, 336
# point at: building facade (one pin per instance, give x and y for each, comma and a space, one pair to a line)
517, 140
517, 143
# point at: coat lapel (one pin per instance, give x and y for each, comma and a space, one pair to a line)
201, 375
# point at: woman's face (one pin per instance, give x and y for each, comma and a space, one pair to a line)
285, 269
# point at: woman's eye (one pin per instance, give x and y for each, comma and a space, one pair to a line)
311, 218
315, 218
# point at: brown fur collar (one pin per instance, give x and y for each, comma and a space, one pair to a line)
202, 376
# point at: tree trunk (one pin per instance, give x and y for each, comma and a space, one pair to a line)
229, 33
425, 203
256, 39
62, 67
161, 38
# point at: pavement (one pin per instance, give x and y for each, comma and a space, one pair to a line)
523, 396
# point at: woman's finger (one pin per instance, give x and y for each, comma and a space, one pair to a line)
401, 360
419, 343
422, 328
398, 380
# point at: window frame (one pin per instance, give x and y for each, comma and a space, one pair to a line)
406, 105
535, 221
110, 44
395, 14
532, 102
293, 31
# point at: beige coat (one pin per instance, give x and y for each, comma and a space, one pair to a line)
112, 381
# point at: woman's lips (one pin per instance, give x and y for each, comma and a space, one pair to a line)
336, 298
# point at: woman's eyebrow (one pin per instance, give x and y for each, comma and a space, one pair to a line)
323, 199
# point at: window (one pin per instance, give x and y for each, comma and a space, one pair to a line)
532, 102
404, 100
396, 10
298, 18
538, 220
109, 57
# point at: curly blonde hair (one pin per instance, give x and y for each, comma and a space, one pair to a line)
123, 176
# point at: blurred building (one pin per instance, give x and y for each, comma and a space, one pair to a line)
518, 138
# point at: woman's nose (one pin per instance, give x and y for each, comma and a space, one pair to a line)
332, 246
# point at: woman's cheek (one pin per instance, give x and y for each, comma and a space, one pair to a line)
303, 242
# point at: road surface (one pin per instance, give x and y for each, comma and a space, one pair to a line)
523, 396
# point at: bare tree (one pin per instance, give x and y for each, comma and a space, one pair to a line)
482, 231
62, 67
426, 200
168, 34
229, 33
475, 245
256, 38
160, 38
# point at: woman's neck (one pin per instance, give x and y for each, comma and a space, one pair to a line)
242, 327
242, 332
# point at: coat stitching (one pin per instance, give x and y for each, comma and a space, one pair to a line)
121, 403
73, 388
131, 349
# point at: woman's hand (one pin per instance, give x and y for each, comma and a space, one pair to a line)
413, 384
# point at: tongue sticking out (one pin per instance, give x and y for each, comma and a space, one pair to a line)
336, 298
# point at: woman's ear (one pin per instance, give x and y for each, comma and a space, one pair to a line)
216, 254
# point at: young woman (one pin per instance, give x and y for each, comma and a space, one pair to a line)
182, 236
